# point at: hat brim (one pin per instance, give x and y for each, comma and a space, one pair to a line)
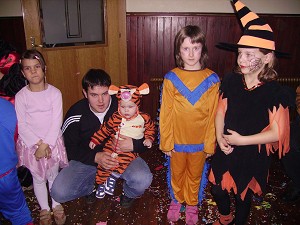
234, 47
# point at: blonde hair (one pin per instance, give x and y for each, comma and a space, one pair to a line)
197, 36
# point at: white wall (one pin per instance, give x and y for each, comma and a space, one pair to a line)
10, 8
213, 6
13, 7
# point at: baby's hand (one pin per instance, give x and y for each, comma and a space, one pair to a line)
92, 145
147, 143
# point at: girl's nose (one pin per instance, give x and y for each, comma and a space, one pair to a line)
191, 53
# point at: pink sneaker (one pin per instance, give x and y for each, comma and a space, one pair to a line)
174, 211
191, 214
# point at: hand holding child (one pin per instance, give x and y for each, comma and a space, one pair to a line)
233, 138
147, 143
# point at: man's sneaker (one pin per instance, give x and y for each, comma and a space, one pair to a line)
174, 211
110, 185
125, 201
191, 215
91, 198
100, 193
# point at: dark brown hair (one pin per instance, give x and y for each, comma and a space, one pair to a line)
34, 54
95, 77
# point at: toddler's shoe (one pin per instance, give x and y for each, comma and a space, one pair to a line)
191, 215
174, 211
100, 193
110, 185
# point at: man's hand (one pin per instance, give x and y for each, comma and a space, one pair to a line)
105, 160
124, 144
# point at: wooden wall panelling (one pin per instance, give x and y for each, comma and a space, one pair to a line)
150, 39
67, 65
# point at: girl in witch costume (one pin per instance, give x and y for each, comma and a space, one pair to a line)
252, 121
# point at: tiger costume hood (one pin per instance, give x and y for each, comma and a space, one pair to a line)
129, 92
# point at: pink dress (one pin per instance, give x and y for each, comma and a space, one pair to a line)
40, 118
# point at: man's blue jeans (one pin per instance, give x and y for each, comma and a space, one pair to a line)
78, 180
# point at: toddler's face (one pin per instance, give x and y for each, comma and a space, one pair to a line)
127, 109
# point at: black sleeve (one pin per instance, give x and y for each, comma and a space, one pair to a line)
138, 146
225, 83
77, 138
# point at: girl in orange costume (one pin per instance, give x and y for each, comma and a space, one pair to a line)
187, 131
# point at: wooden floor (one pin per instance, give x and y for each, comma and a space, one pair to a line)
151, 208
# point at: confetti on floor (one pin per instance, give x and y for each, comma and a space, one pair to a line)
152, 207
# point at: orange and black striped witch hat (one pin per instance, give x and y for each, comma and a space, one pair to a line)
257, 33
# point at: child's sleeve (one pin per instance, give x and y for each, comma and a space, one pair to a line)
57, 117
166, 117
210, 136
105, 131
279, 113
149, 127
29, 138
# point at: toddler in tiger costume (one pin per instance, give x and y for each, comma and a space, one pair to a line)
127, 121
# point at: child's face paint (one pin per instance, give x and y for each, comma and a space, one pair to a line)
250, 60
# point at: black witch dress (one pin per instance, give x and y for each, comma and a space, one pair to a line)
248, 112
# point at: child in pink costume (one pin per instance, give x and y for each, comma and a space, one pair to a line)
40, 144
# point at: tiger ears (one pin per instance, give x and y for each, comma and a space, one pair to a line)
113, 90
144, 89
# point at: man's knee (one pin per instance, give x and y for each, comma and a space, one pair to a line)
57, 193
141, 180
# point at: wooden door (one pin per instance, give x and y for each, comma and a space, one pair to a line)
67, 65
